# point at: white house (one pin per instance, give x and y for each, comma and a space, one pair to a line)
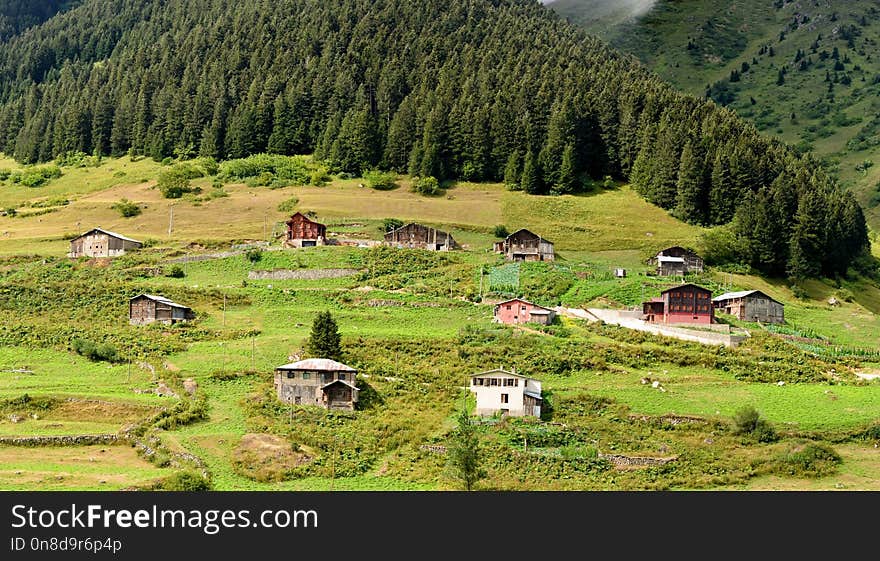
508, 392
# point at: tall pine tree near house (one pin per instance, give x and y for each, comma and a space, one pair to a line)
721, 202
568, 175
324, 340
689, 197
463, 453
513, 172
531, 176
807, 238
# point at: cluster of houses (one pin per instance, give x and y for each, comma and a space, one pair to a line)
333, 385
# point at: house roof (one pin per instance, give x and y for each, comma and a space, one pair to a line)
524, 302
524, 231
320, 364
685, 286
109, 233
500, 371
665, 259
541, 312
742, 294
534, 395
352, 386
162, 300
404, 227
304, 217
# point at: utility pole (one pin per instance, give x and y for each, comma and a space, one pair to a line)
171, 221
224, 310
266, 228
253, 348
481, 283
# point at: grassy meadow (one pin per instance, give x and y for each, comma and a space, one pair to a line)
415, 324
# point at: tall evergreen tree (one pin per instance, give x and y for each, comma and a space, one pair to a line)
324, 340
531, 177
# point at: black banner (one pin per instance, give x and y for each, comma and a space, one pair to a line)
140, 525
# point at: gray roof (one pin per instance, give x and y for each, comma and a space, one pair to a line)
534, 395
500, 371
524, 230
742, 294
541, 312
109, 233
665, 259
162, 300
524, 302
352, 386
319, 364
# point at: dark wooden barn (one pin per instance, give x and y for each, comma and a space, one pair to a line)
688, 303
524, 245
677, 261
417, 236
147, 308
303, 232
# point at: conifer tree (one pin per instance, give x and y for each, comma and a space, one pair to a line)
324, 340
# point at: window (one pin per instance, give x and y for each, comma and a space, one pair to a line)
509, 307
341, 376
306, 375
505, 398
494, 381
509, 381
290, 375
523, 308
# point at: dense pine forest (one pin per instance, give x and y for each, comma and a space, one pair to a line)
454, 89
19, 15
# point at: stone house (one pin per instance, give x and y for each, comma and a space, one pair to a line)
317, 381
101, 243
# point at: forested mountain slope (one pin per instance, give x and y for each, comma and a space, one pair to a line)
805, 71
18, 15
473, 89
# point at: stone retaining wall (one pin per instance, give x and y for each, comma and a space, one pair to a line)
65, 440
302, 274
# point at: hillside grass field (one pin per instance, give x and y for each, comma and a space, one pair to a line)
416, 324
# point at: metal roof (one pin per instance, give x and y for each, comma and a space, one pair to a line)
501, 371
321, 364
541, 312
109, 233
664, 259
523, 230
524, 302
352, 386
162, 300
534, 395
742, 294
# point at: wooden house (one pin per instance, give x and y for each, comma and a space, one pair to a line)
751, 305
417, 236
677, 261
101, 243
147, 308
517, 311
686, 304
524, 245
303, 232
506, 392
317, 381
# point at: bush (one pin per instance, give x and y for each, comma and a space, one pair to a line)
4, 174
748, 422
95, 352
127, 208
380, 180
285, 170
289, 205
174, 183
10, 212
427, 186
254, 255
390, 224
320, 177
501, 231
809, 460
184, 481
176, 272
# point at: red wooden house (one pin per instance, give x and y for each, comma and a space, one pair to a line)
518, 311
302, 232
688, 303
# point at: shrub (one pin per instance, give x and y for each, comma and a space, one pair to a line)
285, 170
380, 180
174, 183
176, 272
809, 460
95, 352
390, 224
320, 177
427, 186
4, 174
254, 255
127, 208
501, 231
748, 422
289, 205
185, 481
10, 212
